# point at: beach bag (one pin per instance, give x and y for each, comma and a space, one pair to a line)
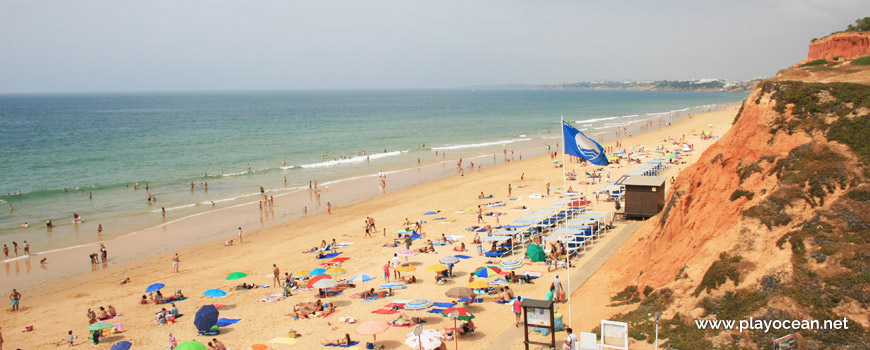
370, 346
292, 334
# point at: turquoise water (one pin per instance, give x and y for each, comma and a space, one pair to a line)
102, 144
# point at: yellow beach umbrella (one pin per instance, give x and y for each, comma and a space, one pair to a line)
301, 273
436, 268
335, 271
406, 268
477, 285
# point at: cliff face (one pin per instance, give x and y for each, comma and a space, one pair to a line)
849, 45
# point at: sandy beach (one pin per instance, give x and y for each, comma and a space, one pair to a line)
57, 307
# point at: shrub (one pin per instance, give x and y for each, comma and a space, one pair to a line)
628, 295
742, 193
859, 195
733, 306
720, 272
818, 62
863, 61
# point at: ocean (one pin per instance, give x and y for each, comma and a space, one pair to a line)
83, 153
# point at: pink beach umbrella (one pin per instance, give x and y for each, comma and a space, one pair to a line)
372, 328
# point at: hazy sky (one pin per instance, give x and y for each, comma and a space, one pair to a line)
110, 45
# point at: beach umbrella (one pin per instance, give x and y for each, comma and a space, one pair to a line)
429, 339
317, 272
671, 156
122, 345
406, 268
486, 272
447, 260
335, 271
511, 264
687, 149
477, 285
532, 274
407, 252
436, 268
460, 292
314, 280
362, 278
372, 328
236, 275
100, 326
464, 315
677, 152
335, 261
536, 253
191, 345
418, 304
324, 283
498, 282
154, 287
206, 317
301, 273
259, 347
214, 293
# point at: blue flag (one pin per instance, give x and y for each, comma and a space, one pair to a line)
579, 145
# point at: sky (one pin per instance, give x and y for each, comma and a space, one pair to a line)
171, 45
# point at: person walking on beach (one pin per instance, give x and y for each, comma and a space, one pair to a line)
163, 211
329, 207
509, 190
387, 271
517, 309
276, 275
6, 250
240, 235
557, 288
396, 263
100, 230
172, 342
104, 254
15, 247
26, 248
570, 340
16, 299
548, 189
175, 261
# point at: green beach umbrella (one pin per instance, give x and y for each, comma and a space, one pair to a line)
100, 325
536, 253
191, 345
671, 156
236, 275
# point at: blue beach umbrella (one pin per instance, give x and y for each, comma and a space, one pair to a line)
154, 287
122, 345
462, 256
205, 318
317, 272
362, 278
214, 293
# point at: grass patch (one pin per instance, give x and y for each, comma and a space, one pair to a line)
744, 171
742, 193
818, 62
863, 61
671, 204
629, 295
859, 195
853, 133
719, 273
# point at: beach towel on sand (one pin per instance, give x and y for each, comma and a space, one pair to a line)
435, 311
223, 322
384, 312
343, 244
432, 212
271, 298
443, 305
331, 255
462, 256
345, 346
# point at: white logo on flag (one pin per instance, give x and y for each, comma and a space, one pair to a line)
587, 147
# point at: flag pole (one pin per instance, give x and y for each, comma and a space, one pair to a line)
565, 226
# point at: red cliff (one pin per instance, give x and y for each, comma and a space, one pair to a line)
849, 45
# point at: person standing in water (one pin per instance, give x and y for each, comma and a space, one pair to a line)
100, 230
163, 211
240, 235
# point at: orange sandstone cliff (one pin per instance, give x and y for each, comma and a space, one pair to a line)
848, 45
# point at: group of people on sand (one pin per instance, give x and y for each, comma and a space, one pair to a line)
102, 315
25, 245
312, 309
158, 298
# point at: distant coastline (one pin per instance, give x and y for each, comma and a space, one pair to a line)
708, 85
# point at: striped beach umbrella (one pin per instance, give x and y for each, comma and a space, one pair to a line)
418, 304
486, 272
447, 260
362, 278
314, 280
335, 271
100, 325
464, 315
407, 252
511, 264
317, 272
301, 273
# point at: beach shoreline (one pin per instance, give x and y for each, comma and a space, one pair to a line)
205, 265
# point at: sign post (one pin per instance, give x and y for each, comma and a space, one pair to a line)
454, 315
785, 343
657, 317
539, 313
418, 331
